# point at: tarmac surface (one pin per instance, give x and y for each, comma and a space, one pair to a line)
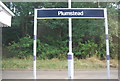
98, 74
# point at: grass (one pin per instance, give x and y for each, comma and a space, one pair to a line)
56, 64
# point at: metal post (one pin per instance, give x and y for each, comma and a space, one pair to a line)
70, 54
107, 44
35, 43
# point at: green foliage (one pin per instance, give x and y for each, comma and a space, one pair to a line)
45, 51
84, 50
21, 49
88, 34
24, 49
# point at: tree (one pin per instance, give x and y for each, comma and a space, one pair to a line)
54, 32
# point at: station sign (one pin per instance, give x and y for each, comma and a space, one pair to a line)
70, 13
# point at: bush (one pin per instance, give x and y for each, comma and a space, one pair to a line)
21, 49
85, 50
46, 51
24, 49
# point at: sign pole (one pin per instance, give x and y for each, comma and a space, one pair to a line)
35, 43
70, 13
70, 54
107, 44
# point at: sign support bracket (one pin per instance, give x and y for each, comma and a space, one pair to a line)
70, 54
107, 44
35, 43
